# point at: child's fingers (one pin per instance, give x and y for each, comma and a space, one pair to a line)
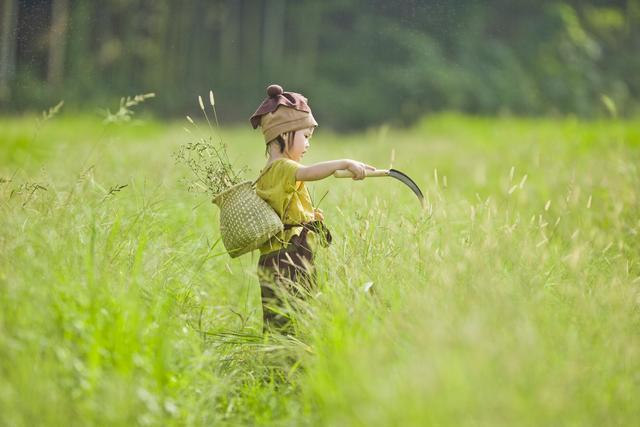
358, 170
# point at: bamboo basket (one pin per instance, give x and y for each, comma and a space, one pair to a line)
246, 220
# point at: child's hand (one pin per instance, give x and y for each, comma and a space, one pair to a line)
318, 215
358, 169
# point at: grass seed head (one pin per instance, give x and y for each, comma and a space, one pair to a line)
524, 179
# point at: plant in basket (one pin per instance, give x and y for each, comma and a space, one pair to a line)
246, 220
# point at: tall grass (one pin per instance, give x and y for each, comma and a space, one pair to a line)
511, 300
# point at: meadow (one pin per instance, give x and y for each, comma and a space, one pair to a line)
513, 298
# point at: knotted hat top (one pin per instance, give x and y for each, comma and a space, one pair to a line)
282, 112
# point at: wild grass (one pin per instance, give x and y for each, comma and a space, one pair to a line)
513, 299
205, 156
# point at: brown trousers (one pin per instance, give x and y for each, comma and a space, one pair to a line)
288, 272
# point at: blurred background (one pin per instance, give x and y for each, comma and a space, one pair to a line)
360, 63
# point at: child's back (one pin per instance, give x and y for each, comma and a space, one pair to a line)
288, 197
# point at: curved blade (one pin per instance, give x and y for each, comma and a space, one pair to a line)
409, 182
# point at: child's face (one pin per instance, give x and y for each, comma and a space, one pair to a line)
300, 144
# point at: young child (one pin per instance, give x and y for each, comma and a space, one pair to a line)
286, 260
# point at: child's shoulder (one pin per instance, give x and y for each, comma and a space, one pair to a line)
281, 166
279, 170
284, 161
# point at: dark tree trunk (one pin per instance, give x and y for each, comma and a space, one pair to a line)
9, 21
251, 71
57, 42
308, 34
81, 62
230, 40
273, 38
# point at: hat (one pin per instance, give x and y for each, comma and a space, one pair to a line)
282, 112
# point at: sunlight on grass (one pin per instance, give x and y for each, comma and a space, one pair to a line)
511, 299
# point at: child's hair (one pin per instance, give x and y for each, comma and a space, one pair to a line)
284, 141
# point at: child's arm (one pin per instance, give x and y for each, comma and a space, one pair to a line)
325, 169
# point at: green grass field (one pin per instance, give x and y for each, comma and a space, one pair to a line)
512, 300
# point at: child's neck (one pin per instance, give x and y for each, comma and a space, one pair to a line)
275, 156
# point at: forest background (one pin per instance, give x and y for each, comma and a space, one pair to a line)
359, 62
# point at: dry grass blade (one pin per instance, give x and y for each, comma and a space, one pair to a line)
212, 171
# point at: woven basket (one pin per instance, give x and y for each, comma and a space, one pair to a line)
246, 220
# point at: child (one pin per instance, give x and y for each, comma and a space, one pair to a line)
286, 260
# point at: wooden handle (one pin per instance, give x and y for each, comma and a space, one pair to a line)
345, 173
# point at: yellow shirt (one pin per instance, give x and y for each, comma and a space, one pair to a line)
278, 187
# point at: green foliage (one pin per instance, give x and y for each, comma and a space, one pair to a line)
361, 63
512, 299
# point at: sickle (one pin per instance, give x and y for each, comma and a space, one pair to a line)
386, 172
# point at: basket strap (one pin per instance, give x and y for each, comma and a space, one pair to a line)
253, 184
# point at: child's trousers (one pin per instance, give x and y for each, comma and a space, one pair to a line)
288, 272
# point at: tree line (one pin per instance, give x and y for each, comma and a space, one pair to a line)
359, 62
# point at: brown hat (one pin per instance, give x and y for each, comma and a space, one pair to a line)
282, 112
